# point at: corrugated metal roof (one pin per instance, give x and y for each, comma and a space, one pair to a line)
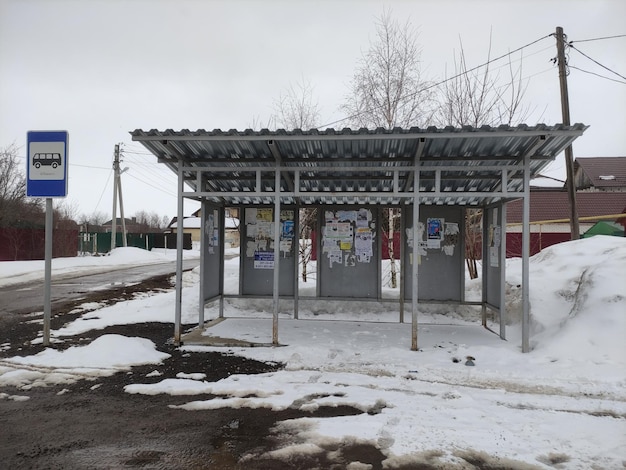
454, 166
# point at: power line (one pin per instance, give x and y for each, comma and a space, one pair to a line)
152, 186
597, 75
153, 170
596, 62
436, 84
599, 39
104, 189
89, 166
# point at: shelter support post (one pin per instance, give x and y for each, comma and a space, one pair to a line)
415, 263
203, 240
296, 279
222, 250
525, 256
402, 264
276, 256
502, 296
179, 254
484, 270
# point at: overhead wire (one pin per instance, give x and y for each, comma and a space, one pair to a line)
441, 82
597, 75
596, 62
156, 172
152, 186
600, 39
104, 189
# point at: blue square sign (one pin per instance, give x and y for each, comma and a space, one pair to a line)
46, 165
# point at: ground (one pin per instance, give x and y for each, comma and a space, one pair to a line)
95, 424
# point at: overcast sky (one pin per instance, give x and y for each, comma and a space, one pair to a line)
100, 69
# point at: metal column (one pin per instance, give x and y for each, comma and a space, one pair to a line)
276, 255
179, 254
203, 236
414, 265
525, 256
502, 306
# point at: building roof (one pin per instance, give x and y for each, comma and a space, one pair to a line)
188, 222
603, 172
196, 222
467, 166
551, 204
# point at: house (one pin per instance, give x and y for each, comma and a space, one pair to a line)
231, 226
600, 174
131, 225
600, 196
191, 225
550, 213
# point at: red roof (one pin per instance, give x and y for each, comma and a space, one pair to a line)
554, 204
603, 172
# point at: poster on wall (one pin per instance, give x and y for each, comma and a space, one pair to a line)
434, 232
495, 239
450, 238
264, 260
209, 227
260, 235
348, 237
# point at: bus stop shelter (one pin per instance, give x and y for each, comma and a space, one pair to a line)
432, 174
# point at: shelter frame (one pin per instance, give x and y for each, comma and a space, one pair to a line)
471, 167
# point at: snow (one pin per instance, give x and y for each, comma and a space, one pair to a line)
17, 272
563, 405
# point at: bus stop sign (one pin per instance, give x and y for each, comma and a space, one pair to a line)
46, 164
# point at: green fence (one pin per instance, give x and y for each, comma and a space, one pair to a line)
100, 242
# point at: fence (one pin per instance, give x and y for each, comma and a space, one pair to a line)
100, 242
23, 244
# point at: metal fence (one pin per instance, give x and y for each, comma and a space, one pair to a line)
100, 242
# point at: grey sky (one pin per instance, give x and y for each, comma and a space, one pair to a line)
102, 68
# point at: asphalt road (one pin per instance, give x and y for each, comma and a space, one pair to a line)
28, 297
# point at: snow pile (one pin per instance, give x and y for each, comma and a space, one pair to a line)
104, 356
578, 299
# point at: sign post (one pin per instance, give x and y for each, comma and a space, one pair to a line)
46, 176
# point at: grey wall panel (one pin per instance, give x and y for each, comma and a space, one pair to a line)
349, 258
492, 217
441, 268
257, 251
213, 222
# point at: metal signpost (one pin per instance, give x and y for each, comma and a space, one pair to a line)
46, 176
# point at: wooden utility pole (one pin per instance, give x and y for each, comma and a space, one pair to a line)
569, 158
117, 191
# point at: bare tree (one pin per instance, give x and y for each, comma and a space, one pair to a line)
12, 185
296, 107
64, 210
308, 224
257, 123
476, 97
479, 96
387, 89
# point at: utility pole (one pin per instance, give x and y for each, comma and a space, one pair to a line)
569, 158
117, 190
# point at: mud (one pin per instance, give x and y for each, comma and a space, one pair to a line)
95, 424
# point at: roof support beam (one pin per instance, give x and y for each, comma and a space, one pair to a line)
419, 150
279, 164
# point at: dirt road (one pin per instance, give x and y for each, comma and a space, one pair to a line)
96, 425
